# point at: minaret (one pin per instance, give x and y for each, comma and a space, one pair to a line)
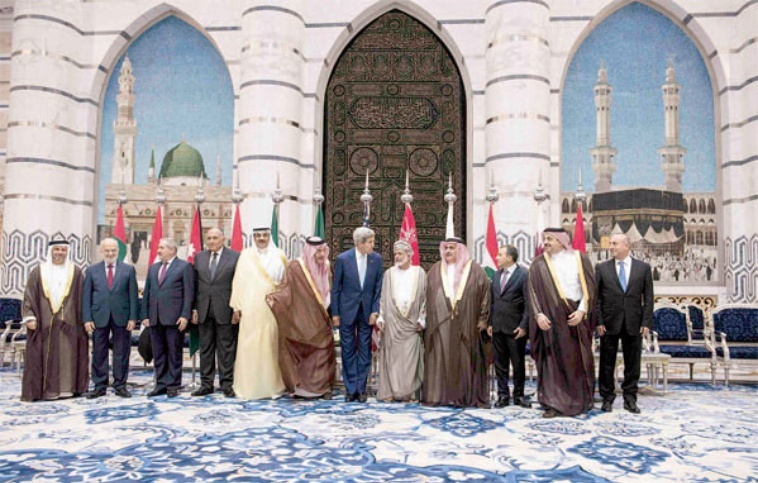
151, 168
603, 154
218, 170
124, 128
672, 154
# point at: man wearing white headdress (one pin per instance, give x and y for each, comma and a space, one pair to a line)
56, 347
455, 340
260, 270
402, 318
306, 340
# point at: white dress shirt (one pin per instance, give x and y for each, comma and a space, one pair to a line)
627, 268
568, 276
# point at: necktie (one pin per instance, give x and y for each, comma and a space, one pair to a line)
362, 268
110, 276
162, 273
503, 280
214, 264
622, 275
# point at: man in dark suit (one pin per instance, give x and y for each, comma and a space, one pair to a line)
110, 307
214, 272
624, 312
356, 289
166, 307
508, 325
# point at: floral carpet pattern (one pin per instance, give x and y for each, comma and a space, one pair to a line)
695, 434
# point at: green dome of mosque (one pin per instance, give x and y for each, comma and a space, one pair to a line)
183, 160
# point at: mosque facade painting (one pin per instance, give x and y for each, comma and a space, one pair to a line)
638, 145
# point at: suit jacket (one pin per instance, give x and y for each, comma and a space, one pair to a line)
166, 302
617, 309
100, 303
509, 308
347, 295
217, 289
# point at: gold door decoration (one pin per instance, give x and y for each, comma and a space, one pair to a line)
394, 102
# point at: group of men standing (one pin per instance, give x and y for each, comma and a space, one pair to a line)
268, 322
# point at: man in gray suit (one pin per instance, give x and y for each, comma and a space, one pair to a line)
166, 307
219, 326
110, 304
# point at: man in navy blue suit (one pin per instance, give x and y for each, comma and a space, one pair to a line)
166, 307
356, 289
110, 304
508, 325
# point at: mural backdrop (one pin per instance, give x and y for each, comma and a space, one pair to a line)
638, 127
167, 125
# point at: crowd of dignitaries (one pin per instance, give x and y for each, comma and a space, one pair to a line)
266, 324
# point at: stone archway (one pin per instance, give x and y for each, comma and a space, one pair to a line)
394, 102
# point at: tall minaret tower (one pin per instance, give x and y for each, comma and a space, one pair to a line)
672, 154
151, 168
603, 154
124, 128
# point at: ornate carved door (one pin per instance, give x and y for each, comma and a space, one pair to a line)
394, 102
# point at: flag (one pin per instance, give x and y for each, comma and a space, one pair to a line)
119, 233
275, 226
156, 236
319, 229
578, 242
409, 234
195, 245
488, 258
237, 244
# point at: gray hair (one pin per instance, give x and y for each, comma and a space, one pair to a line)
361, 234
404, 246
170, 244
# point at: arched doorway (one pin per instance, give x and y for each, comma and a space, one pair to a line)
395, 102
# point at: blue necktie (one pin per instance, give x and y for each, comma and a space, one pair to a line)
622, 275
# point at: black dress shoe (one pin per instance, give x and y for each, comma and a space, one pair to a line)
520, 401
96, 393
631, 406
607, 407
123, 392
502, 402
172, 392
229, 392
349, 398
157, 392
203, 391
362, 397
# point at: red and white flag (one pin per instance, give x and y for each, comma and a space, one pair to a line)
237, 243
195, 244
578, 242
489, 263
409, 234
156, 236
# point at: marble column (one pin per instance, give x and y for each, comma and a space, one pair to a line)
270, 112
517, 111
50, 169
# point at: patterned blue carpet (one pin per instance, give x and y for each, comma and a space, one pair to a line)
695, 434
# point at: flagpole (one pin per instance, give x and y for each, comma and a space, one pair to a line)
318, 226
408, 230
450, 199
277, 197
237, 198
193, 329
539, 196
366, 199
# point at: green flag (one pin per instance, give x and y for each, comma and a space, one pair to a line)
319, 230
275, 226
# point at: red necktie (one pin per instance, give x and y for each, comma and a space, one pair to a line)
110, 276
162, 272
